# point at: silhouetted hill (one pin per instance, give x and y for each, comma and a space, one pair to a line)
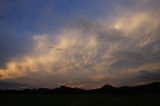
149, 88
106, 89
64, 89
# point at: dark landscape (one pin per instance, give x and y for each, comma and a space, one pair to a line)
142, 95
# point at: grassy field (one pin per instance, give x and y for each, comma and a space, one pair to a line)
78, 100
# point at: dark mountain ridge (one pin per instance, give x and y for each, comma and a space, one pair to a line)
106, 89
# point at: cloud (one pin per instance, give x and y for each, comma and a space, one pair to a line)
12, 85
124, 51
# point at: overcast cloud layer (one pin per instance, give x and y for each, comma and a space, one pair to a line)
119, 47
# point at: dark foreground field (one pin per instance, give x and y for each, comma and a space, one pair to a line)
78, 100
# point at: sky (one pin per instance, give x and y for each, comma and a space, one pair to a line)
78, 43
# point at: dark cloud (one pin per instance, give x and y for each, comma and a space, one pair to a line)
12, 85
153, 75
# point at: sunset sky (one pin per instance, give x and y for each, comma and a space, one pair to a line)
79, 43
